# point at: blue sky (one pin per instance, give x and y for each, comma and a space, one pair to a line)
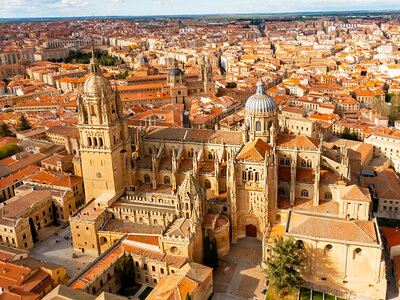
63, 8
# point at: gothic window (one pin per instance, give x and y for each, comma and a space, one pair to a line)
244, 175
101, 142
207, 184
146, 178
303, 163
250, 175
258, 126
284, 161
282, 191
304, 194
309, 163
257, 176
328, 196
95, 141
89, 141
166, 180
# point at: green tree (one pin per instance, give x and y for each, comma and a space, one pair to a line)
8, 150
33, 230
214, 253
231, 85
388, 97
23, 123
127, 271
123, 75
54, 213
207, 248
5, 131
284, 266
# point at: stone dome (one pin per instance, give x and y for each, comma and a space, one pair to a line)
143, 60
96, 84
260, 103
175, 71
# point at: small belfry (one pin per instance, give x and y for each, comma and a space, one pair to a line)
105, 148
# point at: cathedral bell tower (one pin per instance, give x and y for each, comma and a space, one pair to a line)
105, 146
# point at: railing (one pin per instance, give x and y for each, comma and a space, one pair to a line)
326, 289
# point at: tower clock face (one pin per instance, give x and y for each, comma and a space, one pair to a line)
98, 174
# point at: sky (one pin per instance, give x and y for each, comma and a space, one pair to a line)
75, 8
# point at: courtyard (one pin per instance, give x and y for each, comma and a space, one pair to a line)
239, 275
54, 247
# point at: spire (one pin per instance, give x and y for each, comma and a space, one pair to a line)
94, 64
260, 87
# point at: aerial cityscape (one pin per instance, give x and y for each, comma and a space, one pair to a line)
236, 151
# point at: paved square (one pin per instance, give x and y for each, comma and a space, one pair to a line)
48, 249
239, 275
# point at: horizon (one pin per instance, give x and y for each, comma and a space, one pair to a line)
24, 9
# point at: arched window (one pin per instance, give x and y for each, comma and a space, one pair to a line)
101, 142
146, 178
304, 194
250, 175
309, 163
167, 180
89, 141
282, 191
207, 184
303, 163
300, 244
244, 175
155, 222
141, 220
95, 141
257, 176
258, 126
114, 140
328, 196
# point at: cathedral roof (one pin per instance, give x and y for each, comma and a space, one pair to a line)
297, 141
355, 193
254, 150
332, 229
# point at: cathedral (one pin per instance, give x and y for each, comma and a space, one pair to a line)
176, 182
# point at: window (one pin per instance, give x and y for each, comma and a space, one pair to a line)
328, 196
328, 247
282, 191
147, 178
304, 194
153, 268
207, 184
101, 142
250, 175
89, 141
309, 163
167, 180
162, 271
244, 175
257, 176
258, 126
300, 244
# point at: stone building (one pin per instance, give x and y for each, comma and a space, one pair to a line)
175, 182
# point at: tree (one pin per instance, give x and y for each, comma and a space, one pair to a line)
210, 250
5, 131
284, 266
127, 271
33, 230
388, 97
54, 212
8, 150
214, 253
23, 123
348, 135
231, 85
